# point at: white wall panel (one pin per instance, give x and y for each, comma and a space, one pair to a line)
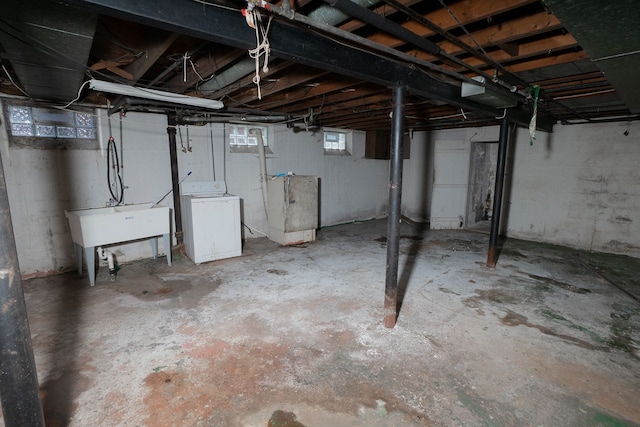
43, 183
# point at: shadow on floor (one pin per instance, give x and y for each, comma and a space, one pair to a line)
65, 380
419, 230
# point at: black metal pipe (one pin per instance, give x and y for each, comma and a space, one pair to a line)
382, 23
395, 197
492, 254
175, 184
19, 391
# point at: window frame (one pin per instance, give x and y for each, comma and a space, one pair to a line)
50, 142
249, 148
348, 143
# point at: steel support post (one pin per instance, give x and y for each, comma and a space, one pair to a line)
19, 391
492, 254
395, 196
175, 185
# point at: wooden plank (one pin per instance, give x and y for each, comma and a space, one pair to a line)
507, 32
206, 66
153, 51
308, 95
545, 62
549, 46
285, 82
467, 11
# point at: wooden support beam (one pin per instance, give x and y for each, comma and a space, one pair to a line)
153, 52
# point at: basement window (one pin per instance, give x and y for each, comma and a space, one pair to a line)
336, 142
41, 127
243, 137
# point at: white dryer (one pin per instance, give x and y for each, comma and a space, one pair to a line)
210, 221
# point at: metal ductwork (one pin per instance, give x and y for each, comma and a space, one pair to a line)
331, 16
48, 46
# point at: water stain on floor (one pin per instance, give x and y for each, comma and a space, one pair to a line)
557, 283
283, 419
515, 319
492, 296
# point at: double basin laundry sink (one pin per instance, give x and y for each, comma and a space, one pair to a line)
105, 226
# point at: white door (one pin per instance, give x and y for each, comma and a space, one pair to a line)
450, 182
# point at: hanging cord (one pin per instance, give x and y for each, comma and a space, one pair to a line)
187, 58
184, 149
534, 118
254, 20
116, 188
213, 154
121, 163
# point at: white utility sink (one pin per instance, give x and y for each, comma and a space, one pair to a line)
105, 226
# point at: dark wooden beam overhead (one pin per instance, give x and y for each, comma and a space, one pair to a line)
295, 43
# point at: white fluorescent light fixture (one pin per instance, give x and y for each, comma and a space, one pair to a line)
156, 95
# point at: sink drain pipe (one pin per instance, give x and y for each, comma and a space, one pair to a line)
19, 391
105, 254
393, 222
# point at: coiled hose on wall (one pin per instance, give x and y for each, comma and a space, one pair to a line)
116, 188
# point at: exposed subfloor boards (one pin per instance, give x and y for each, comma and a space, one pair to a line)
294, 336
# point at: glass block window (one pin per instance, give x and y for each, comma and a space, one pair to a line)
46, 131
50, 123
20, 114
334, 140
244, 135
21, 129
66, 132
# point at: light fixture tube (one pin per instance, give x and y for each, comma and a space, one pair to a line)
153, 94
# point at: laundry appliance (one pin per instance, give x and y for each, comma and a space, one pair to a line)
210, 221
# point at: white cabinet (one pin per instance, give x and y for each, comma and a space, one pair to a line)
293, 208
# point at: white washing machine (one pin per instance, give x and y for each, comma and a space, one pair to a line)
210, 221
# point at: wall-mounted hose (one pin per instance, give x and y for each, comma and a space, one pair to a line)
116, 188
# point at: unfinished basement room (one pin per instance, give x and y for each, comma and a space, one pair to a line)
319, 213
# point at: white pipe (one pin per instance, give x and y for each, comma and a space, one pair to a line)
104, 254
103, 151
263, 167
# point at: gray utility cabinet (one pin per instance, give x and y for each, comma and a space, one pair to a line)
292, 208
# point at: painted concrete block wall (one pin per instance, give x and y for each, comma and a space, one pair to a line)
351, 187
422, 172
417, 178
42, 184
579, 186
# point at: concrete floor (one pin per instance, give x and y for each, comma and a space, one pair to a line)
293, 336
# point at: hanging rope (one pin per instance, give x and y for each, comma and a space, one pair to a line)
534, 118
254, 20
